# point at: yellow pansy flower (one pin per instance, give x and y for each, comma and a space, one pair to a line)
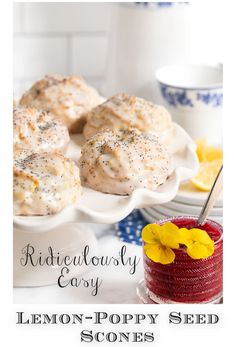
159, 253
198, 242
159, 242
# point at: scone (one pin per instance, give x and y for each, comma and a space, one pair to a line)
123, 111
38, 131
44, 183
68, 98
118, 162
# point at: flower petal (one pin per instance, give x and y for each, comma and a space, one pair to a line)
150, 233
170, 235
200, 251
188, 236
159, 253
201, 236
185, 237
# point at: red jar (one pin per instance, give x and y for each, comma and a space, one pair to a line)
187, 280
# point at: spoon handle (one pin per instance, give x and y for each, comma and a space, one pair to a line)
212, 197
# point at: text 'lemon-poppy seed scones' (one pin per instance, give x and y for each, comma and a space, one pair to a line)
38, 131
123, 111
68, 98
118, 162
44, 183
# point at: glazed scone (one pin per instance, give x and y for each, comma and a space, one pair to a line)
38, 131
118, 162
123, 111
44, 183
68, 98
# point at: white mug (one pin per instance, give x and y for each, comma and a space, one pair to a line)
194, 95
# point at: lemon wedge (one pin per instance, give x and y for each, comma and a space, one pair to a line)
207, 174
211, 153
201, 145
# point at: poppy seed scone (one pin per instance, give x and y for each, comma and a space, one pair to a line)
118, 162
38, 131
123, 111
67, 98
44, 183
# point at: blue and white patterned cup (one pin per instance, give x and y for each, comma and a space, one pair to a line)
194, 96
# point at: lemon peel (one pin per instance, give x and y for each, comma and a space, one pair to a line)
206, 175
210, 160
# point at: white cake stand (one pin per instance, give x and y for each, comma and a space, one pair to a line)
95, 207
66, 240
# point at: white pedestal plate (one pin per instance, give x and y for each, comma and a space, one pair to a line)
67, 237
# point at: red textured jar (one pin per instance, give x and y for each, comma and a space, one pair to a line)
187, 280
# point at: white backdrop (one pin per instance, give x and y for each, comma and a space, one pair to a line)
73, 38
66, 38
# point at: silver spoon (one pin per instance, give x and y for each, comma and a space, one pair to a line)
212, 197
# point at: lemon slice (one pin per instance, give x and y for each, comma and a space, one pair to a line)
201, 145
206, 175
210, 153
